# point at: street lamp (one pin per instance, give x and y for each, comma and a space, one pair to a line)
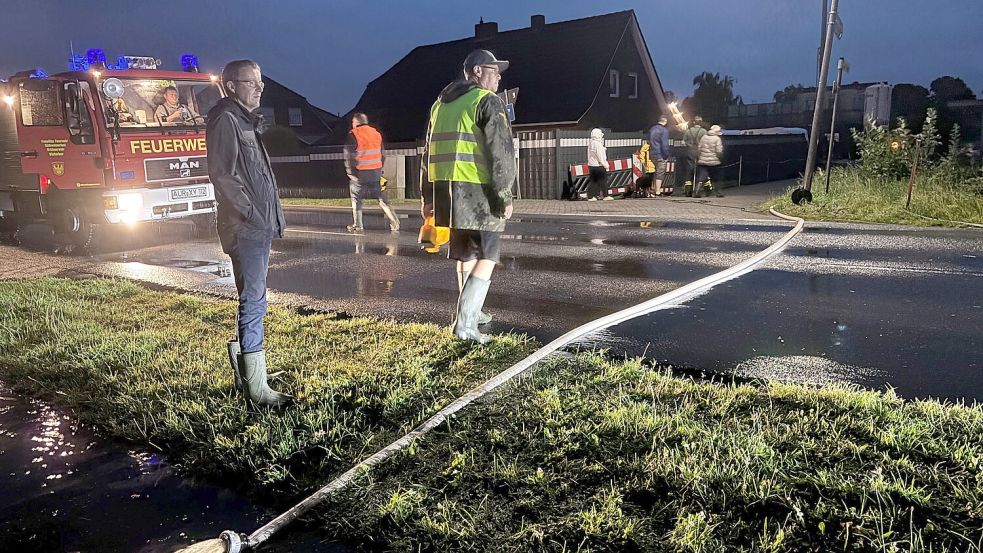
833, 26
841, 66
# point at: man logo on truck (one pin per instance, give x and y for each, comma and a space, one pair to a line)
184, 166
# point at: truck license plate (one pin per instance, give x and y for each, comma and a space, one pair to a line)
189, 193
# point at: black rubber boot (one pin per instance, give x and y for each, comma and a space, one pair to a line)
253, 366
234, 352
468, 306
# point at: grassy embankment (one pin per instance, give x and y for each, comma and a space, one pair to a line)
854, 197
588, 454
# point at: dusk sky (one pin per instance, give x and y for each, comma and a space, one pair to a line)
328, 50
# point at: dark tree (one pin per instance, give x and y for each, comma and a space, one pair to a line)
712, 96
947, 89
909, 101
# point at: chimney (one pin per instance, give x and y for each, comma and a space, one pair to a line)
537, 21
485, 31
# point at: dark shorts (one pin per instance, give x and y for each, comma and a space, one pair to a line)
365, 190
466, 245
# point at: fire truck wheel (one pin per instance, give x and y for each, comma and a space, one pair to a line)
10, 228
73, 228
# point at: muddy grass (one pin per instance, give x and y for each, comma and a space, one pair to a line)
588, 454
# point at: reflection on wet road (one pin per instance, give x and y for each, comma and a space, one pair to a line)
893, 309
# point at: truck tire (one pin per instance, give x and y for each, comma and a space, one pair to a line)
74, 229
10, 227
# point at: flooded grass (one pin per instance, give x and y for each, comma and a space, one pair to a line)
588, 454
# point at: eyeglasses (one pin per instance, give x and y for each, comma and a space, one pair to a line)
251, 84
495, 67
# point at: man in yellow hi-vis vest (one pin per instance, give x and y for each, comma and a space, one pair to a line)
470, 165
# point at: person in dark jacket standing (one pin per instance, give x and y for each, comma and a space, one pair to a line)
249, 217
659, 151
470, 164
364, 158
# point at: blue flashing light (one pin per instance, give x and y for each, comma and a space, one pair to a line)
78, 62
189, 61
96, 55
39, 74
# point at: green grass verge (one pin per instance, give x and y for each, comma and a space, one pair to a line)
585, 455
594, 455
341, 202
151, 367
854, 198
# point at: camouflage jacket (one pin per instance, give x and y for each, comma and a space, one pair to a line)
466, 205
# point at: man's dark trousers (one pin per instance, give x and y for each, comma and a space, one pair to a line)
250, 265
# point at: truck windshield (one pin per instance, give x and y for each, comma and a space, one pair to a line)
163, 103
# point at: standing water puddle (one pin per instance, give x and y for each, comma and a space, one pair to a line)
66, 489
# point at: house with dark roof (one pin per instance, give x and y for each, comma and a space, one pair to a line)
571, 76
281, 106
579, 74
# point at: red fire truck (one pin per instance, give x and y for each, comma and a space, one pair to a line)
93, 149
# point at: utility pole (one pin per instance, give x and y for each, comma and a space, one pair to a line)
822, 40
805, 193
840, 67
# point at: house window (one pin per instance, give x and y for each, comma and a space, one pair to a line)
633, 85
267, 113
296, 119
615, 83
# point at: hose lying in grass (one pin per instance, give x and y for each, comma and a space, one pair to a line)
232, 542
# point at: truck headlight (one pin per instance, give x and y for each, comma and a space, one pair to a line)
130, 201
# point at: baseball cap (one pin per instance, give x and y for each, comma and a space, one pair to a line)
483, 57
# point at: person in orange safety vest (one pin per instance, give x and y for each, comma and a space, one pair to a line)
363, 163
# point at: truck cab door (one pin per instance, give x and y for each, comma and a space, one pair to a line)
56, 133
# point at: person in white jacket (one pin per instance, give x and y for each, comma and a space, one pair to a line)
597, 164
711, 154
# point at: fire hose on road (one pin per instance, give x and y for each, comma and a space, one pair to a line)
232, 542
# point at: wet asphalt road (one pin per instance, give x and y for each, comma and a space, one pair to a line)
870, 306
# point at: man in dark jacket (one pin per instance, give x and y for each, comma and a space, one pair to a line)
249, 217
470, 164
659, 151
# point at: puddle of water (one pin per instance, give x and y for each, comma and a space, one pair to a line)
66, 489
